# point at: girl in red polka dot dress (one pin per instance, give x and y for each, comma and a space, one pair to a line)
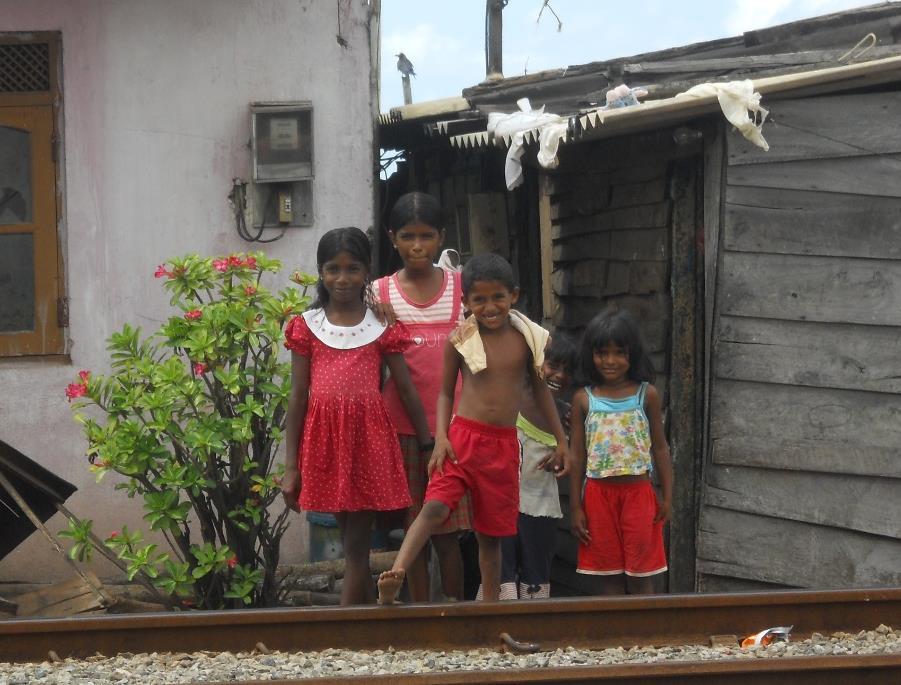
342, 453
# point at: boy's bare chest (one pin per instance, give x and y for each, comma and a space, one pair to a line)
506, 354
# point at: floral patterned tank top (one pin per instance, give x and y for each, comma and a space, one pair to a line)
617, 436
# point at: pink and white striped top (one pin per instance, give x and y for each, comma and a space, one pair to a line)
430, 324
437, 310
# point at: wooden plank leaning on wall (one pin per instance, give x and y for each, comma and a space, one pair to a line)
684, 408
548, 299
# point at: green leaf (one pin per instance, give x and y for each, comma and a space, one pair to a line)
184, 443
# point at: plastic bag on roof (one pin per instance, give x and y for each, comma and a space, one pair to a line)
549, 142
623, 96
739, 102
526, 119
552, 128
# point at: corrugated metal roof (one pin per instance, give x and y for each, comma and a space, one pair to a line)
798, 46
656, 113
471, 140
40, 488
424, 110
401, 125
808, 46
598, 123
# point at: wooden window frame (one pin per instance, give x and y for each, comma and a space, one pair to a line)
50, 295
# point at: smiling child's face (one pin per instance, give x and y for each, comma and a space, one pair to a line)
490, 302
612, 363
557, 377
344, 277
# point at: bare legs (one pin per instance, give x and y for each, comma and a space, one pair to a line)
447, 549
431, 517
356, 531
621, 584
640, 586
418, 576
418, 571
490, 566
450, 561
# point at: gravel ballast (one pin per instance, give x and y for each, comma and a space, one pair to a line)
156, 669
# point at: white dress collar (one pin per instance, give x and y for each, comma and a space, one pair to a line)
343, 337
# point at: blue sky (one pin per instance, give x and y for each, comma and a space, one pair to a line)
445, 39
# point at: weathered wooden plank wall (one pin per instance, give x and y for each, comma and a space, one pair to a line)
611, 227
620, 212
802, 487
471, 188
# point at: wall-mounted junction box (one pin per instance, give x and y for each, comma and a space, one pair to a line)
282, 148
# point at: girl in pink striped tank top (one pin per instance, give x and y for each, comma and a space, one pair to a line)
428, 300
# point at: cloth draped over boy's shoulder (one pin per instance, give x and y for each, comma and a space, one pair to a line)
467, 340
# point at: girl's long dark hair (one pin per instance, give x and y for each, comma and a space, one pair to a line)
619, 327
348, 239
416, 208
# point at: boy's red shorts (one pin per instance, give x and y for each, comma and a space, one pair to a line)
488, 460
624, 537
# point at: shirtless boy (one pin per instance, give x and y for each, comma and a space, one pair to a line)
478, 449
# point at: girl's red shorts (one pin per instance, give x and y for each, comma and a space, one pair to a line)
624, 537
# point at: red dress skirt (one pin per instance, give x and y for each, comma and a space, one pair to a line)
349, 458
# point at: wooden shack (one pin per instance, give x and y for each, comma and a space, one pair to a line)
768, 284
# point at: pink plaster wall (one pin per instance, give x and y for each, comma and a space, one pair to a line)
156, 124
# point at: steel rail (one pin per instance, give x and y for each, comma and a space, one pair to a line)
826, 670
596, 623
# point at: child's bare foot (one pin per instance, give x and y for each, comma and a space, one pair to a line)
389, 585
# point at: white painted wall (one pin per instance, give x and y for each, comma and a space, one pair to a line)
156, 96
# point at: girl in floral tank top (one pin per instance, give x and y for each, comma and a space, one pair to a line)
617, 441
617, 435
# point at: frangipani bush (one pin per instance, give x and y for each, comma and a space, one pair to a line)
192, 417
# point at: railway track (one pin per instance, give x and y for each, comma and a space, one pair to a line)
881, 670
582, 623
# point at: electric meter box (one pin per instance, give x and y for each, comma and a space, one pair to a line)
282, 147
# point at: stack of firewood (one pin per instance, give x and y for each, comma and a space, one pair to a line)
312, 584
319, 583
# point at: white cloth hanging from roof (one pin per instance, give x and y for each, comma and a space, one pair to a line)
738, 101
551, 127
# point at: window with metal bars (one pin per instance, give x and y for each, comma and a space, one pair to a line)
24, 67
33, 312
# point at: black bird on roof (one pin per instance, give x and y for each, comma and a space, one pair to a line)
404, 65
